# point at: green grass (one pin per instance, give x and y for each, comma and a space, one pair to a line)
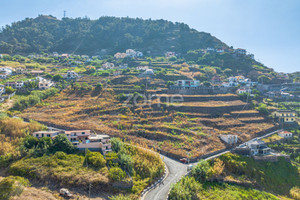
69, 171
276, 177
226, 191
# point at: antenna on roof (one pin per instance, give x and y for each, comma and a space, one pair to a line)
65, 12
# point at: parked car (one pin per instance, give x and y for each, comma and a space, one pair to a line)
65, 192
184, 160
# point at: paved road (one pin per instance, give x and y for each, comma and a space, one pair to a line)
176, 171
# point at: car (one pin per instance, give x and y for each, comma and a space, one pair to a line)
65, 193
184, 160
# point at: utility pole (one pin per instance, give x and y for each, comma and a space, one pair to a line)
65, 12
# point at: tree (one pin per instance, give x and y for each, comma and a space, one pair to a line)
9, 90
206, 84
201, 171
116, 174
262, 109
228, 72
61, 143
264, 79
116, 144
57, 77
95, 160
12, 186
30, 142
169, 83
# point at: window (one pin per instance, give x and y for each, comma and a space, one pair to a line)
37, 135
83, 133
42, 134
48, 135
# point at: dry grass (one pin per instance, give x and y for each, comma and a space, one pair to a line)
162, 129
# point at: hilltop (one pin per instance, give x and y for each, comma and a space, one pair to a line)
106, 34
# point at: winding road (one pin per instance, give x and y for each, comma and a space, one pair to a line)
177, 170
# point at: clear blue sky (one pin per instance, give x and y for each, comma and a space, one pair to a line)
268, 28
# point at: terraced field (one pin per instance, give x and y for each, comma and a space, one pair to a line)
174, 130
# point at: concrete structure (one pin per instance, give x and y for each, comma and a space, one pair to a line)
240, 51
253, 148
78, 135
170, 54
71, 75
120, 55
243, 90
81, 139
187, 83
130, 53
20, 70
44, 83
285, 116
108, 65
96, 143
147, 73
15, 85
285, 134
49, 133
229, 139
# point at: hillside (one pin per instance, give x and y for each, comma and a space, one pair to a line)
85, 36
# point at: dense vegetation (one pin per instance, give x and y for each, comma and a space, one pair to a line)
12, 186
85, 36
246, 177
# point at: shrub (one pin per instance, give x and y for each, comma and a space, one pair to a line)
61, 155
186, 189
127, 163
116, 144
116, 174
201, 171
95, 160
61, 143
295, 193
12, 186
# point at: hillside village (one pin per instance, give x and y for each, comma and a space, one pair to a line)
133, 123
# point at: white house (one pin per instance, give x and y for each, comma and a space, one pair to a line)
48, 133
15, 85
170, 54
6, 70
120, 55
244, 90
209, 49
3, 75
44, 83
130, 53
285, 134
71, 75
108, 65
240, 51
229, 139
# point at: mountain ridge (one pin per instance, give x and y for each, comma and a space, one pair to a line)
46, 33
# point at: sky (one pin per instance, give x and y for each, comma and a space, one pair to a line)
270, 29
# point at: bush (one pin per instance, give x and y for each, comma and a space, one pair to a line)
116, 144
12, 186
201, 172
295, 193
95, 160
61, 143
116, 174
